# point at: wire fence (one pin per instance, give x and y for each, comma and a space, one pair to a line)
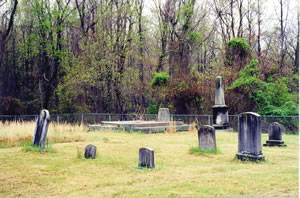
291, 123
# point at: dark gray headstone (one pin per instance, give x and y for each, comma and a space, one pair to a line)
220, 110
163, 115
41, 129
249, 137
146, 158
207, 138
90, 151
275, 131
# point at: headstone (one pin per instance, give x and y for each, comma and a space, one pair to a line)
207, 138
275, 135
41, 129
220, 110
146, 158
164, 115
90, 151
249, 134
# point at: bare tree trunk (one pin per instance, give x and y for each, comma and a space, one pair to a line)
259, 29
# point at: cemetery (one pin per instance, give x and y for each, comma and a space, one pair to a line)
152, 161
149, 98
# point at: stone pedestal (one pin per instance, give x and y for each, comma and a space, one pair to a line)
220, 117
275, 135
41, 129
207, 138
164, 115
146, 158
249, 134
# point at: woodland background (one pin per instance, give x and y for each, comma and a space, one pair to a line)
125, 56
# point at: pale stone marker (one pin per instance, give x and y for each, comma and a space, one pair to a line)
275, 135
249, 129
41, 129
220, 110
207, 138
146, 158
90, 151
164, 115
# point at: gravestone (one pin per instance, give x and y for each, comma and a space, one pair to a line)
146, 158
90, 151
164, 115
41, 129
249, 134
275, 135
220, 110
207, 138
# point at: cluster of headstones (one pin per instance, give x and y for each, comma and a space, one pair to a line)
249, 139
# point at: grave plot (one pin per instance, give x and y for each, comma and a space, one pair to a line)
162, 124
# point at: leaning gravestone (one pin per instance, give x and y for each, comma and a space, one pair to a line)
207, 138
275, 135
41, 129
220, 110
90, 151
146, 158
249, 146
164, 115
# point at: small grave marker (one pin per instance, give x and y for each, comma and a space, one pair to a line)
207, 138
275, 135
146, 158
90, 151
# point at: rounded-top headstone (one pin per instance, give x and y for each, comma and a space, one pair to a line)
164, 115
207, 138
90, 151
275, 131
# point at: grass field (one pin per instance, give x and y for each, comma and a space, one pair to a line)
178, 173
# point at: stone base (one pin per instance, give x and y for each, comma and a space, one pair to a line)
221, 127
250, 157
224, 130
274, 143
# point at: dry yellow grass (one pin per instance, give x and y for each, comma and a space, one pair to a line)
14, 133
177, 174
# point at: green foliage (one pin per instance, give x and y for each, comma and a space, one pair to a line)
153, 107
239, 43
160, 78
271, 98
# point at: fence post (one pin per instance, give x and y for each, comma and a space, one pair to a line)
208, 120
109, 117
82, 119
57, 119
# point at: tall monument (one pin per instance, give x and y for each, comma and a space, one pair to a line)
220, 110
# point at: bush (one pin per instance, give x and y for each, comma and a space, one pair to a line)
153, 107
239, 43
160, 78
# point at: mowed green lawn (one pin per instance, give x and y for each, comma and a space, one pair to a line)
177, 174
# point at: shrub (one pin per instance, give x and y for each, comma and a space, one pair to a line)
160, 78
